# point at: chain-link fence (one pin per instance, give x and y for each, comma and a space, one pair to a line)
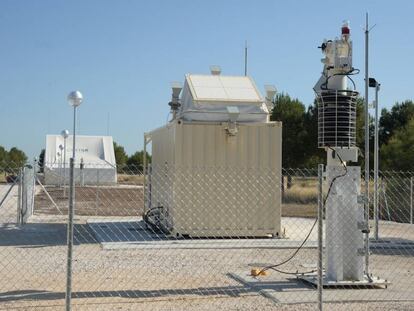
191, 238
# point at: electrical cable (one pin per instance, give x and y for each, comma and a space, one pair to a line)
353, 71
313, 226
152, 224
293, 273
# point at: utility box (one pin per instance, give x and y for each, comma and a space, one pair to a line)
217, 178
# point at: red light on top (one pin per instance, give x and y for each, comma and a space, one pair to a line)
345, 30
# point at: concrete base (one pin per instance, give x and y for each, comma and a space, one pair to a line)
375, 282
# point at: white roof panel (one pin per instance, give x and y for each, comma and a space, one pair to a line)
223, 88
97, 150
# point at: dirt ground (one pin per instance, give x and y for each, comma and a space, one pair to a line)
33, 265
123, 201
92, 201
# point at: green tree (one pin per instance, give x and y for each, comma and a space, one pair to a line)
121, 156
41, 162
136, 161
3, 156
360, 123
16, 158
395, 119
292, 114
398, 153
360, 133
313, 154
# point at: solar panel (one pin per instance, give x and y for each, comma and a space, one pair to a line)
223, 88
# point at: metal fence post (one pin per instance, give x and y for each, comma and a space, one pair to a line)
33, 182
376, 209
97, 192
320, 237
20, 196
70, 236
411, 200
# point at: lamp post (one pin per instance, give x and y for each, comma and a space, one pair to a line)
58, 167
60, 164
65, 134
374, 83
75, 99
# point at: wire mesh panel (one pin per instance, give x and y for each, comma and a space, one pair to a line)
205, 229
359, 267
32, 249
200, 238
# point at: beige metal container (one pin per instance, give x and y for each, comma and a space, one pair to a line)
210, 183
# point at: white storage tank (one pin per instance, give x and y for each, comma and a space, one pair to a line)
216, 167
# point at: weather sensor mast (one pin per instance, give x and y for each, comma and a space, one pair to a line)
336, 100
345, 224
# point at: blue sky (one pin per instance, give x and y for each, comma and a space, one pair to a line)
123, 54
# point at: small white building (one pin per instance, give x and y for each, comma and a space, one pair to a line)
95, 153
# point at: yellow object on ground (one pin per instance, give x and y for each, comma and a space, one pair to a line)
258, 272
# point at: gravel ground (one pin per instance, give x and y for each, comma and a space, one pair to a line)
252, 302
32, 273
33, 266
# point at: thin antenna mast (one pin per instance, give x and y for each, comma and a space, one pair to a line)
245, 58
107, 124
366, 148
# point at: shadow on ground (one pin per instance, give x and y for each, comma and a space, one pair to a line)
34, 235
230, 291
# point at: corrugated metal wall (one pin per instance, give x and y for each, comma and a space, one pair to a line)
218, 185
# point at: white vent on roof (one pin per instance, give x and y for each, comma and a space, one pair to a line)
215, 70
270, 96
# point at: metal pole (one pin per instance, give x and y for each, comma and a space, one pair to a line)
97, 191
70, 219
376, 164
60, 168
64, 167
33, 183
245, 59
320, 237
144, 169
411, 200
70, 237
82, 174
20, 196
366, 152
74, 133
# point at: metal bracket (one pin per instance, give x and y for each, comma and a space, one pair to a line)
232, 129
363, 226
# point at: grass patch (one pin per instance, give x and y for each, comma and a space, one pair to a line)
298, 194
301, 198
130, 179
299, 210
